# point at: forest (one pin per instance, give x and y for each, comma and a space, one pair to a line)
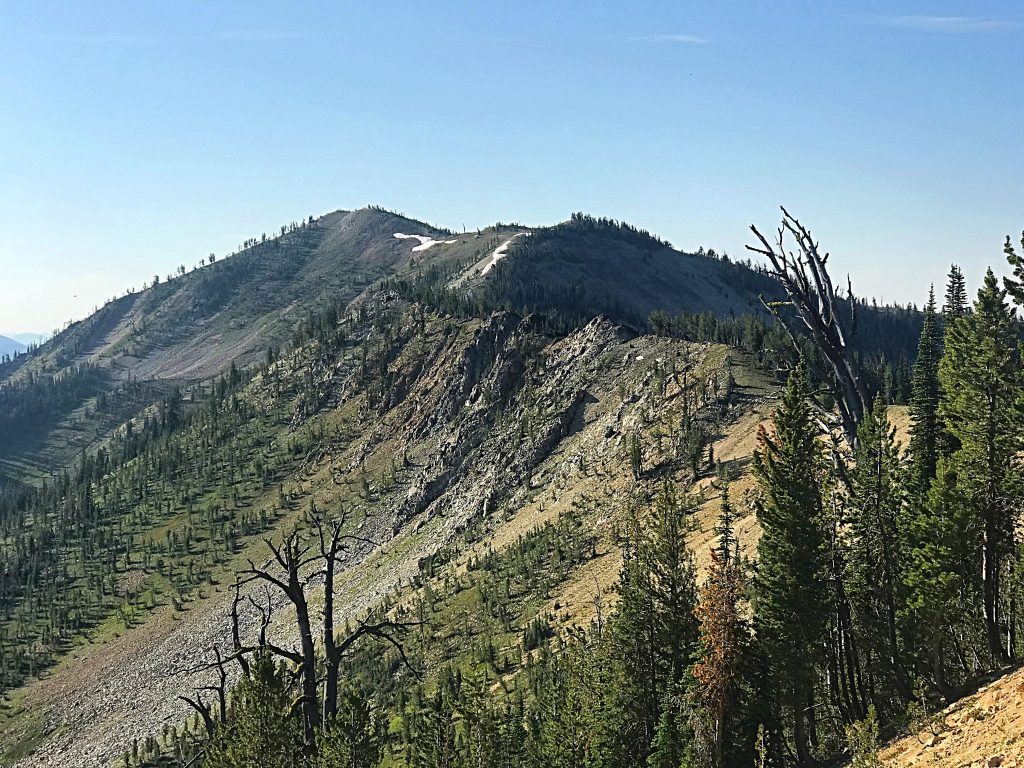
887, 582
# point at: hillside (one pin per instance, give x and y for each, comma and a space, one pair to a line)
487, 413
588, 265
484, 431
983, 730
184, 330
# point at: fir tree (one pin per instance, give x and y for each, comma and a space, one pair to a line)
940, 572
875, 553
261, 731
924, 401
672, 581
955, 303
352, 739
980, 375
654, 630
790, 606
1015, 285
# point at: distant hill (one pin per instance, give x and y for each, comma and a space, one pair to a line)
11, 347
238, 309
29, 338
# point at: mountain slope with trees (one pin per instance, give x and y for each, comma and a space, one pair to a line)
448, 518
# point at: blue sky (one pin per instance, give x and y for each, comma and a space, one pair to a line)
141, 135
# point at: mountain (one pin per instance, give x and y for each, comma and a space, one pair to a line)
10, 347
484, 414
231, 312
29, 338
449, 436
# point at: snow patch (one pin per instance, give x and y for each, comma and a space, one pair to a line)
500, 252
425, 242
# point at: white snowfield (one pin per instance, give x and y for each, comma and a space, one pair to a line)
500, 252
425, 242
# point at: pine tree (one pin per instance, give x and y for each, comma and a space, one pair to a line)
724, 528
1015, 285
980, 374
942, 541
353, 738
955, 303
875, 552
654, 630
672, 581
924, 402
261, 731
790, 607
631, 636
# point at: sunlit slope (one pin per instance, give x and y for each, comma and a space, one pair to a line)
485, 432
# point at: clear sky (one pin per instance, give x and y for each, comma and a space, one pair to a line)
140, 135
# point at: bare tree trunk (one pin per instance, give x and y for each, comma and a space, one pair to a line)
292, 560
329, 551
806, 281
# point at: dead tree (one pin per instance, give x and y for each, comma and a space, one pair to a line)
289, 570
291, 557
221, 689
809, 288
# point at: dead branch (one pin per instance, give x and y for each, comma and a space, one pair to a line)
805, 278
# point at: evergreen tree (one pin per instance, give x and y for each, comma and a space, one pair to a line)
875, 554
790, 607
955, 303
940, 578
1015, 285
924, 401
353, 738
654, 631
980, 374
261, 731
672, 582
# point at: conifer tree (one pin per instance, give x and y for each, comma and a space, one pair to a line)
790, 606
980, 373
352, 738
654, 631
924, 401
875, 554
672, 581
261, 730
1015, 285
722, 640
940, 572
955, 303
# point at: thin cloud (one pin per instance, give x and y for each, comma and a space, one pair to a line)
260, 36
944, 24
105, 38
680, 39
